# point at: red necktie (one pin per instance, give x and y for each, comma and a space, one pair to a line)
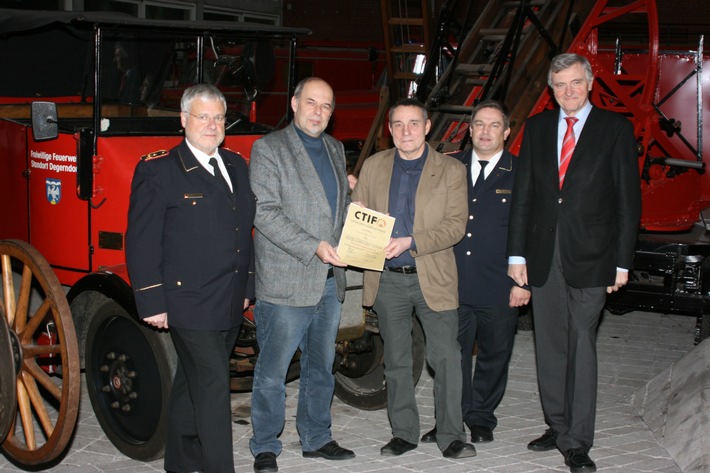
567, 148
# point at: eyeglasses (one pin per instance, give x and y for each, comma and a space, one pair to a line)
205, 118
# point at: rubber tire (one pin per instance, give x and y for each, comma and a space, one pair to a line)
139, 433
369, 392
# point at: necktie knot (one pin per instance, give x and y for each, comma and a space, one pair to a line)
571, 121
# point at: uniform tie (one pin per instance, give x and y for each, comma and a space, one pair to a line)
567, 148
481, 175
218, 174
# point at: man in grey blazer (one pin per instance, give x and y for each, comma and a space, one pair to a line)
298, 176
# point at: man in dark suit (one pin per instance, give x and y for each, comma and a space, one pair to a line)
488, 298
189, 255
573, 225
298, 176
425, 191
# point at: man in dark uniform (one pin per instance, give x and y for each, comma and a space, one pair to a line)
189, 255
488, 298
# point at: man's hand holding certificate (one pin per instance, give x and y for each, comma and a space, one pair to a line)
365, 235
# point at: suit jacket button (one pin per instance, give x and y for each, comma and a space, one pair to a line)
559, 201
468, 253
179, 283
470, 217
468, 235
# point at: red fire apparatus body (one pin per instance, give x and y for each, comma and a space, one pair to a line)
67, 166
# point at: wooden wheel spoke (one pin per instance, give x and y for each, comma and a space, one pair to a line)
30, 368
8, 289
39, 407
23, 301
29, 330
30, 351
25, 409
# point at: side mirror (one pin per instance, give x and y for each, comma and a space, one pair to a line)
44, 121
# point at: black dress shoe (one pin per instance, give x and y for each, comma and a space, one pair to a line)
548, 441
481, 434
429, 437
396, 447
578, 461
331, 451
265, 462
459, 449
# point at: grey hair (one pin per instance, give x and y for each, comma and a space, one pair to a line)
565, 60
409, 102
202, 92
495, 104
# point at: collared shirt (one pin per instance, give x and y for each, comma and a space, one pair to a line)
204, 160
476, 168
403, 191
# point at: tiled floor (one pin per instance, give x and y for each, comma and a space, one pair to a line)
632, 349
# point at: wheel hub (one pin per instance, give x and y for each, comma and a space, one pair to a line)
120, 380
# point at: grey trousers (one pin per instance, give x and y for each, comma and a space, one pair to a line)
399, 295
566, 321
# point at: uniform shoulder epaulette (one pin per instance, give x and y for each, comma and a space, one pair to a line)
232, 151
155, 155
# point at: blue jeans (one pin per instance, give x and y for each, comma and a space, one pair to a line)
280, 330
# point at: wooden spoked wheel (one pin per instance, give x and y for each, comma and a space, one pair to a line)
44, 357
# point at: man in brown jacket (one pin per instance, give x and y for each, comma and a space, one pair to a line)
426, 193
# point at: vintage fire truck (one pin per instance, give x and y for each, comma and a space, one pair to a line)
86, 96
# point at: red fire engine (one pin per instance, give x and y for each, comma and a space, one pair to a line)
72, 129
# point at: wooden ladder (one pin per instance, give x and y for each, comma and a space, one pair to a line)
408, 34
